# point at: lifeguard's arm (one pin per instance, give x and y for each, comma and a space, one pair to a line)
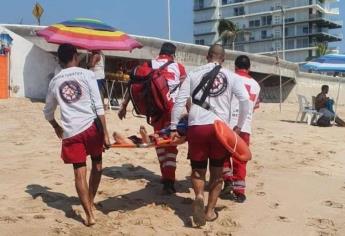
49, 110
180, 103
257, 100
98, 106
183, 73
94, 60
123, 109
241, 93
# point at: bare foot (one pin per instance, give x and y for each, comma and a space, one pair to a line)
89, 221
199, 211
145, 137
212, 216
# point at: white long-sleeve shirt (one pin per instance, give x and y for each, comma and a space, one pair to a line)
76, 91
253, 89
225, 85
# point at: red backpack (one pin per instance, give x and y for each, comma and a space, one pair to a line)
149, 91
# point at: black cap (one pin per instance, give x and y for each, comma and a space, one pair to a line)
168, 49
66, 52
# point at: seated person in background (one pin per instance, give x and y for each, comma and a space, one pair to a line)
324, 105
158, 137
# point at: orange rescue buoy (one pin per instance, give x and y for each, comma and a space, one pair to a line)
232, 142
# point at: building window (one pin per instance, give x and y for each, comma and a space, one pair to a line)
291, 19
198, 4
264, 34
257, 23
251, 23
200, 41
305, 30
290, 44
277, 45
238, 11
266, 20
224, 2
303, 43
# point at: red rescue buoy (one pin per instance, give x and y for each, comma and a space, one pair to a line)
232, 142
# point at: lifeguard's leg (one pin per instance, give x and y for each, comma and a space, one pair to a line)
83, 191
95, 178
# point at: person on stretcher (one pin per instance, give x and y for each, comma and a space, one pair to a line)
157, 138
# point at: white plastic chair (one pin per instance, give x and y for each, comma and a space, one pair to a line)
306, 110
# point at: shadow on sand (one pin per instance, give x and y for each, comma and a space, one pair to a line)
148, 195
55, 200
293, 121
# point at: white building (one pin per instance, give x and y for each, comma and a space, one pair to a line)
307, 23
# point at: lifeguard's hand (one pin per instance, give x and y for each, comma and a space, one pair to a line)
58, 131
175, 137
107, 143
237, 130
122, 112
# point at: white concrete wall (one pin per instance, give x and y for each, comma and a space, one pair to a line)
31, 68
310, 85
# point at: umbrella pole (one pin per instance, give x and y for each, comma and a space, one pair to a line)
336, 104
280, 89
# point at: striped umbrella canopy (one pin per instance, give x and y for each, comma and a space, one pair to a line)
327, 63
89, 34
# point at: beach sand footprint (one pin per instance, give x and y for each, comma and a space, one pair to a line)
39, 217
333, 204
260, 185
274, 205
321, 173
228, 222
283, 219
260, 194
8, 219
324, 226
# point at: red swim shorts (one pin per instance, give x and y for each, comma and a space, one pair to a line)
203, 144
76, 148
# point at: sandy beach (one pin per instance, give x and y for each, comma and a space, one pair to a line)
295, 184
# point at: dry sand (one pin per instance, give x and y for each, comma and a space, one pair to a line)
296, 183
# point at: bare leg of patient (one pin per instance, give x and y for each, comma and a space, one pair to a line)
120, 139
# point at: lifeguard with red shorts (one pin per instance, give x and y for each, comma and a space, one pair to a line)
211, 88
83, 130
234, 175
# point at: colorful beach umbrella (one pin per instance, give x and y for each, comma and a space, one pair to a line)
89, 34
328, 63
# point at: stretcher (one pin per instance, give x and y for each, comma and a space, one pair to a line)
163, 143
230, 140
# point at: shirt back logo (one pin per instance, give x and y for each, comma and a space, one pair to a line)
219, 85
70, 91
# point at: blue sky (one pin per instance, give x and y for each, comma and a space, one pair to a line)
142, 17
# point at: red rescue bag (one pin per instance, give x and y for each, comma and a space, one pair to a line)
149, 91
